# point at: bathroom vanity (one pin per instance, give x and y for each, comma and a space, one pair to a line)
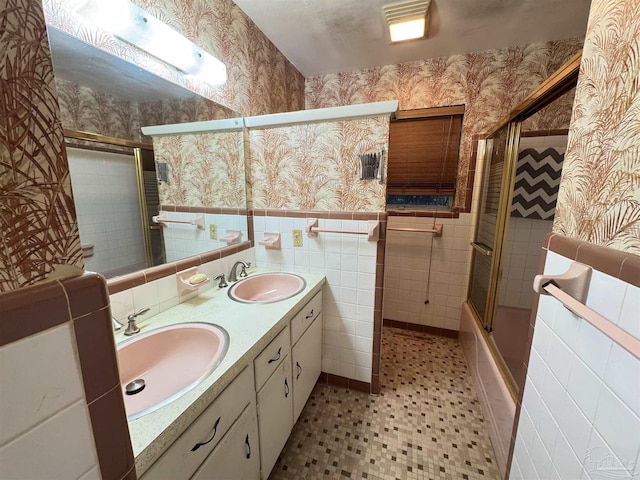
234, 424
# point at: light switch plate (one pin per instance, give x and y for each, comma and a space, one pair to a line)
297, 238
213, 231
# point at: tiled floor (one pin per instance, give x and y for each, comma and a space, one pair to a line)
426, 423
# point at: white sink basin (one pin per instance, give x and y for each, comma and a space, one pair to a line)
170, 361
267, 288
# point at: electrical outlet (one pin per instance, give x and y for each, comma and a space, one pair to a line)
297, 238
213, 231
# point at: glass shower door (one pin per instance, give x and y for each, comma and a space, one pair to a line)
491, 220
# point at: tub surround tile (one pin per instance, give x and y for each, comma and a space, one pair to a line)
599, 418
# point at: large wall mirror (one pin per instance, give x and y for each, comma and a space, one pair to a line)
122, 180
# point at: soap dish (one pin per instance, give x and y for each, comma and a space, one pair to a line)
231, 237
190, 280
271, 241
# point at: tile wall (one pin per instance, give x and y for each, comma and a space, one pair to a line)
521, 259
181, 240
349, 263
580, 411
62, 412
105, 191
157, 288
410, 257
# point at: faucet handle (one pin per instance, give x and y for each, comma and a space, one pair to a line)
142, 311
223, 282
116, 324
243, 269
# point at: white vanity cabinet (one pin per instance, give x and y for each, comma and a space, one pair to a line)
183, 458
274, 399
236, 457
306, 359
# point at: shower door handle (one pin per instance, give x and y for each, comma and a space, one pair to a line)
482, 248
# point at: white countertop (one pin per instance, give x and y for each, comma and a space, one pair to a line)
250, 329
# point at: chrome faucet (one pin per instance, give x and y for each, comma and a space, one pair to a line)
233, 276
116, 324
132, 328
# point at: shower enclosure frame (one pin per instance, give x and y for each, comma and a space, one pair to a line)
562, 81
136, 151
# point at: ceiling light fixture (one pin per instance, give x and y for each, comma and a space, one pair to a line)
134, 25
407, 20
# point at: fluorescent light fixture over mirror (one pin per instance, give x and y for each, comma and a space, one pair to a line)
407, 20
132, 24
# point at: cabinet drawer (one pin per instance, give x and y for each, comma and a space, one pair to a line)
303, 319
269, 359
179, 461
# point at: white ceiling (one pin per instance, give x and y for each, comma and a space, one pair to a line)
330, 36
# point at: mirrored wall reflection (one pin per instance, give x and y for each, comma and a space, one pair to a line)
118, 188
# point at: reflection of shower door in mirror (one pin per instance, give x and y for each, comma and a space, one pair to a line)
149, 206
491, 220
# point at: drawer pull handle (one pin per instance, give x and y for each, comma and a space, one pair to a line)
215, 428
277, 357
299, 370
246, 441
286, 388
310, 315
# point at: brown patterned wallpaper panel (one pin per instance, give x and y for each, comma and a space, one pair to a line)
260, 79
317, 166
488, 83
599, 197
205, 169
38, 228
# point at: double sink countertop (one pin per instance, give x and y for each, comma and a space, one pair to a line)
250, 327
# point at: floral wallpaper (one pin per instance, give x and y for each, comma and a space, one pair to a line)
85, 109
205, 169
260, 79
488, 83
555, 116
317, 166
599, 197
38, 229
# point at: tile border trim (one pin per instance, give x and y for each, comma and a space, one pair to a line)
125, 282
343, 382
415, 327
199, 209
621, 265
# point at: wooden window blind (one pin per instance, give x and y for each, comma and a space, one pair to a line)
423, 153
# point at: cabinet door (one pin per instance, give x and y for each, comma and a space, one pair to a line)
236, 457
275, 418
307, 363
